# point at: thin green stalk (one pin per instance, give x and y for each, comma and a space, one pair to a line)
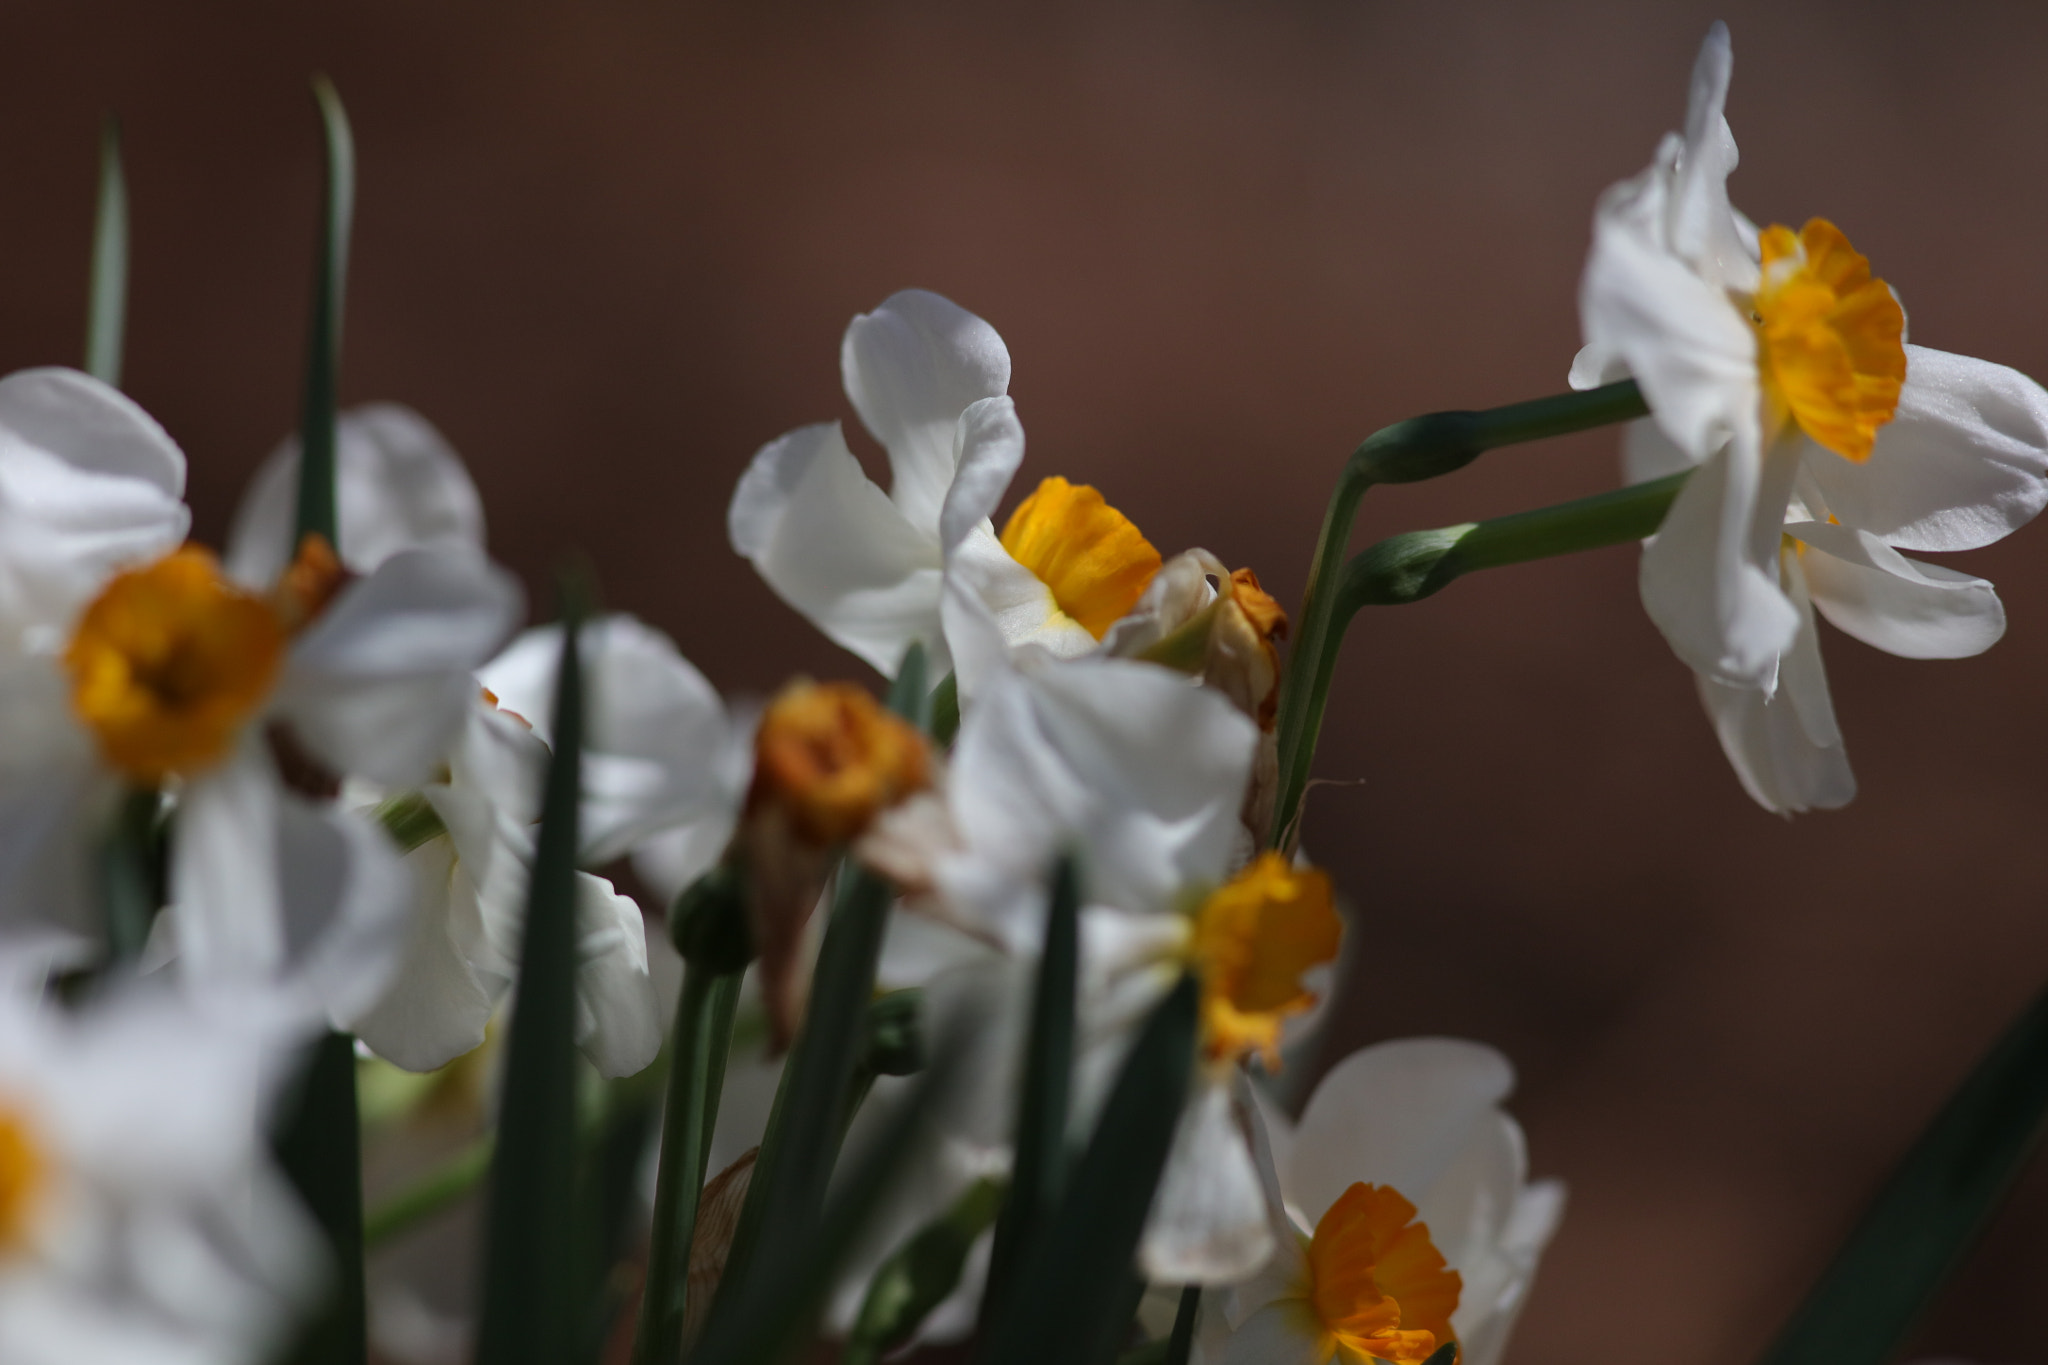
1420, 448
131, 873
316, 502
320, 1148
106, 309
703, 1032
531, 1309
436, 1190
1181, 1344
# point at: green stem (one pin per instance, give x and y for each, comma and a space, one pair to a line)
319, 1148
131, 874
703, 1032
430, 1194
316, 501
106, 310
1419, 448
1409, 567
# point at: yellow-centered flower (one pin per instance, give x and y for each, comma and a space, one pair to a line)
1253, 939
168, 662
1831, 338
24, 1180
832, 758
1091, 557
1379, 1288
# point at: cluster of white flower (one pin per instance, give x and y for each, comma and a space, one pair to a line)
322, 764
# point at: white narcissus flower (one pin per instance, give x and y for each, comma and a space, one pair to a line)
665, 762
1403, 1217
468, 833
930, 381
1776, 366
249, 709
141, 1222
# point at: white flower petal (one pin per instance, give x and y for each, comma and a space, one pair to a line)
439, 1003
56, 798
1785, 749
1647, 453
617, 1025
1702, 225
89, 483
1020, 606
1397, 1114
1703, 580
1208, 1223
226, 897
989, 442
381, 684
1284, 1332
347, 902
832, 545
911, 368
398, 486
1900, 605
1962, 464
1484, 1321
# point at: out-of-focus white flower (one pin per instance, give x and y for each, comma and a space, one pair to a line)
665, 764
474, 833
930, 381
398, 485
249, 708
89, 483
1402, 1213
140, 1220
1775, 364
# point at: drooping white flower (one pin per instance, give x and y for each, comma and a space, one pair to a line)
930, 381
1775, 365
140, 1220
1403, 1217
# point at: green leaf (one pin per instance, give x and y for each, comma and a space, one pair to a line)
1930, 1209
1071, 1301
106, 308
1181, 1344
131, 870
806, 1125
318, 1144
908, 696
919, 1276
316, 505
765, 1317
1039, 1169
945, 716
703, 1033
531, 1310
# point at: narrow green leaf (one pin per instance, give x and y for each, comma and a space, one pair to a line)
438, 1189
316, 505
319, 1146
1071, 1300
1039, 1169
1181, 1344
908, 696
106, 308
131, 873
945, 718
1929, 1211
703, 1032
530, 1310
764, 1318
919, 1276
804, 1130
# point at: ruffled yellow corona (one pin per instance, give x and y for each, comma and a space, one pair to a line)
831, 758
167, 663
1379, 1287
1253, 939
1093, 559
24, 1175
1831, 338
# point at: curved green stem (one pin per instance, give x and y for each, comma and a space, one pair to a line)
106, 310
1417, 564
1420, 448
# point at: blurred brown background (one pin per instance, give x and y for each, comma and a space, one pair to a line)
610, 247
